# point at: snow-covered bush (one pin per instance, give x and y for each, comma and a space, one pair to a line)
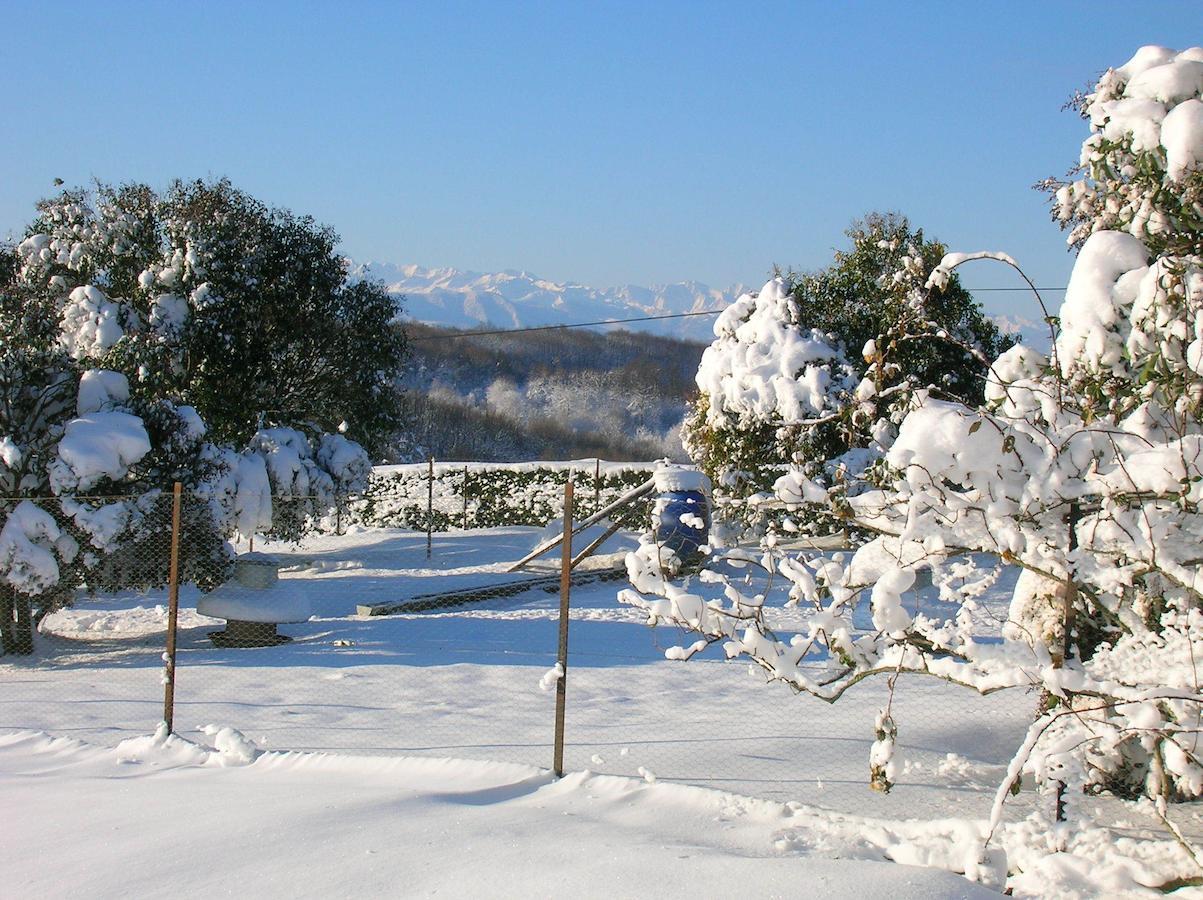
1084, 468
306, 478
203, 294
816, 371
81, 468
1139, 170
149, 339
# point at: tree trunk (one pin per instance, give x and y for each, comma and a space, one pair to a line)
16, 623
23, 632
8, 623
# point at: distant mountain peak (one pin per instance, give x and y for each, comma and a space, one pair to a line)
516, 298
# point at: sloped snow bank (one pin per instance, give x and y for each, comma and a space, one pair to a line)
230, 818
162, 810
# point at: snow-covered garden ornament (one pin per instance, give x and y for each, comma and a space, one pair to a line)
681, 514
253, 604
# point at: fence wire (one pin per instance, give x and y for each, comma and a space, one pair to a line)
377, 647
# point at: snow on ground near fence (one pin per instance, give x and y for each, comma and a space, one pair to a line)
444, 737
466, 683
182, 821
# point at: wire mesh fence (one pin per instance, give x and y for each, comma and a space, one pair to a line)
365, 644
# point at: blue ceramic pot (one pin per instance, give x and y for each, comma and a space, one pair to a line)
683, 537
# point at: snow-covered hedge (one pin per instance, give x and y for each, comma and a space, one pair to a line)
498, 495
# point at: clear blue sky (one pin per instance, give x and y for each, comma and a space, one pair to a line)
602, 142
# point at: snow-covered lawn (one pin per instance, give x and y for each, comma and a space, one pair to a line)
465, 683
149, 820
419, 690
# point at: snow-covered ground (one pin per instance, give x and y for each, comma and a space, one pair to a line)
149, 819
464, 684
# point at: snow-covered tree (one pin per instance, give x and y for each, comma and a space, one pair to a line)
149, 339
1084, 468
818, 369
82, 464
1144, 134
205, 294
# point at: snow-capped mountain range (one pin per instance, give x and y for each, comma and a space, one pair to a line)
513, 299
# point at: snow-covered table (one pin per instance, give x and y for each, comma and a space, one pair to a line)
253, 605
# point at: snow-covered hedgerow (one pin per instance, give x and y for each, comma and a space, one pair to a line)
1083, 467
497, 495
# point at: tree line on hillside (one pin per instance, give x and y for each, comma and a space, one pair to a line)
545, 394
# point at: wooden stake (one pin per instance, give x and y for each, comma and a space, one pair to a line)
465, 498
429, 505
597, 484
173, 611
562, 659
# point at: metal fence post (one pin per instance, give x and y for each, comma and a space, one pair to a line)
465, 498
429, 504
173, 611
562, 659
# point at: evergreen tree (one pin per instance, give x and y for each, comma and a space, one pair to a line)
82, 467
242, 311
147, 339
820, 377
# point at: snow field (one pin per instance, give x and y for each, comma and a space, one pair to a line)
442, 739
466, 683
181, 819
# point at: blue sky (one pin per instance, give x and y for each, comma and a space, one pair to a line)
607, 143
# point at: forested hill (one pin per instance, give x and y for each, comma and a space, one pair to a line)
555, 394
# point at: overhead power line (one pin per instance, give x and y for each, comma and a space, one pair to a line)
708, 312
459, 334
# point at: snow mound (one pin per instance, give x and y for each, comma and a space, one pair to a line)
681, 478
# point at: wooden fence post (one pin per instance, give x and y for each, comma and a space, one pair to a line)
562, 658
173, 611
465, 498
597, 484
429, 504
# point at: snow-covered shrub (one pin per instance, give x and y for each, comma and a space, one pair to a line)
147, 339
81, 467
1141, 170
207, 296
816, 371
1084, 468
143, 340
307, 479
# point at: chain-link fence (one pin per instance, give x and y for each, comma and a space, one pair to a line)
361, 642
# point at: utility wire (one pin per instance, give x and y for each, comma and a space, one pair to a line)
708, 312
465, 334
